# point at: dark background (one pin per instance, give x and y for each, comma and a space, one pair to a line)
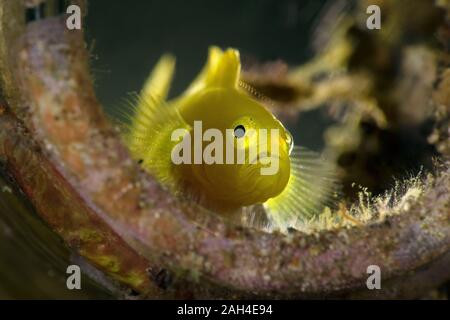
126, 41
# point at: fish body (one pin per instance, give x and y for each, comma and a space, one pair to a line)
220, 146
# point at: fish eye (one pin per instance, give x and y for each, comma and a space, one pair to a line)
239, 131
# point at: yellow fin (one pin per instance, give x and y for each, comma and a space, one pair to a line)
158, 83
312, 186
222, 70
154, 91
149, 138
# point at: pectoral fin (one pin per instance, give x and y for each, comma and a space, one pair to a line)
312, 186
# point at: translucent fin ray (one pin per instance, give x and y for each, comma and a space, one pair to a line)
312, 186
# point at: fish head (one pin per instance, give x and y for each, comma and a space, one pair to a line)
245, 149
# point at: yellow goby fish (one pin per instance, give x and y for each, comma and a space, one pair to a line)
253, 162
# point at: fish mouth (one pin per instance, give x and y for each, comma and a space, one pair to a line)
265, 157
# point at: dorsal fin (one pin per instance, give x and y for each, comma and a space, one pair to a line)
158, 83
154, 91
222, 70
